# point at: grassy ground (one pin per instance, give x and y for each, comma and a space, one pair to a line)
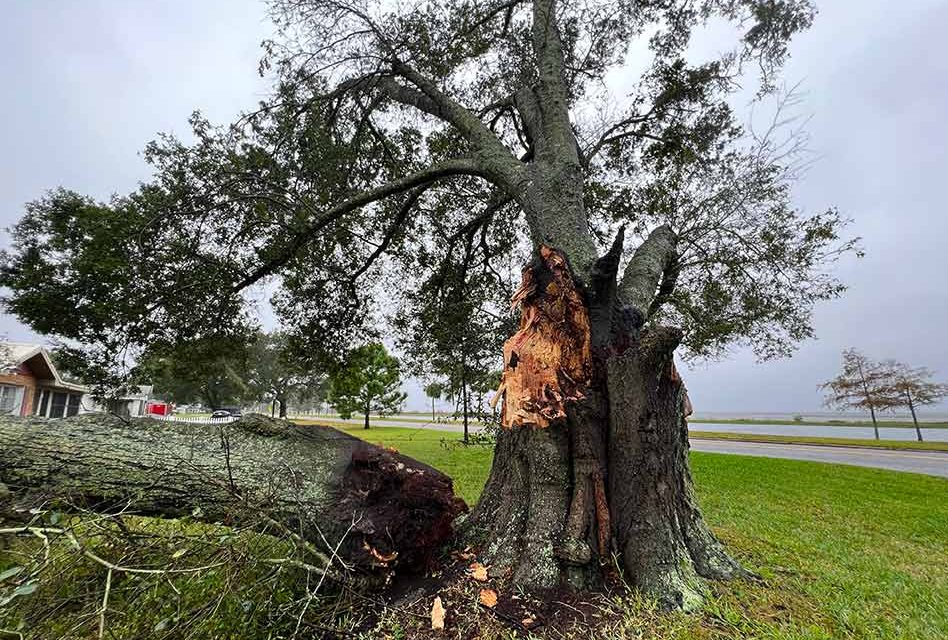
846, 552
834, 442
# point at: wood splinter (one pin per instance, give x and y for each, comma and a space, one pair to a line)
547, 362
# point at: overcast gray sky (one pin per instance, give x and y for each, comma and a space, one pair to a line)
86, 84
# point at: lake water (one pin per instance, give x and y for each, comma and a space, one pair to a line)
823, 431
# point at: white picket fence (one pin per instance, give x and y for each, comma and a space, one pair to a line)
194, 420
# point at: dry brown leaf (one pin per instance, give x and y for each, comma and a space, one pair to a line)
489, 598
528, 622
478, 572
437, 614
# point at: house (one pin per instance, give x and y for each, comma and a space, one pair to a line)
141, 403
31, 385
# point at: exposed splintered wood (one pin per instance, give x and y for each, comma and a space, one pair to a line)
393, 512
547, 362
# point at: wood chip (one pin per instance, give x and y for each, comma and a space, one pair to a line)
489, 598
437, 614
478, 572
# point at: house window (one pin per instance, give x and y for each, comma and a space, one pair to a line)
44, 403
11, 399
72, 408
59, 404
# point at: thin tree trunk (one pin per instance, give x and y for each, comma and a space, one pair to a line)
875, 424
465, 404
432, 409
872, 409
366, 424
911, 405
282, 402
316, 480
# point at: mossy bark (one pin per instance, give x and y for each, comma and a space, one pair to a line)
318, 481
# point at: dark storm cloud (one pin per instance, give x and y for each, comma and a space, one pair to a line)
87, 84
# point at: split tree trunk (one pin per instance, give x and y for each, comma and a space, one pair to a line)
316, 480
592, 462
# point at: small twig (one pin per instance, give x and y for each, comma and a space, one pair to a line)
105, 604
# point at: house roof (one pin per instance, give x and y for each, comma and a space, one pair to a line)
38, 359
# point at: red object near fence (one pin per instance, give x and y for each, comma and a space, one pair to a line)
158, 408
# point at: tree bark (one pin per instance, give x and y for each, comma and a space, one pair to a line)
316, 480
911, 406
282, 403
592, 462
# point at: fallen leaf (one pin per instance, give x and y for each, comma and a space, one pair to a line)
437, 614
489, 598
528, 622
478, 572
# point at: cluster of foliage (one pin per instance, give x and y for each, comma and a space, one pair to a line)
418, 141
369, 381
275, 375
865, 384
260, 367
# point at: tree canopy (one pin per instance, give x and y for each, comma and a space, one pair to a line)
368, 382
275, 375
452, 136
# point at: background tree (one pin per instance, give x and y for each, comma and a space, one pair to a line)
861, 385
394, 129
212, 371
434, 390
911, 387
454, 323
273, 374
369, 380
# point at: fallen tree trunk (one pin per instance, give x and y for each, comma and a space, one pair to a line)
389, 510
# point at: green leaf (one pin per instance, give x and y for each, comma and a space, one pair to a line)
9, 573
26, 588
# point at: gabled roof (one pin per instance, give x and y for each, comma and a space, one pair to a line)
15, 354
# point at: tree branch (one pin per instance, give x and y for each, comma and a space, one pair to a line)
644, 271
449, 168
430, 99
552, 93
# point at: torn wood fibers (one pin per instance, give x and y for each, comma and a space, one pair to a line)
547, 363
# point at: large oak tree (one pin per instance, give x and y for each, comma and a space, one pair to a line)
404, 138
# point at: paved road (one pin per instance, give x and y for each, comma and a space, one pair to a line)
933, 463
823, 431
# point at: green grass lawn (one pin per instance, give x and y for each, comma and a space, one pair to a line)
846, 552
